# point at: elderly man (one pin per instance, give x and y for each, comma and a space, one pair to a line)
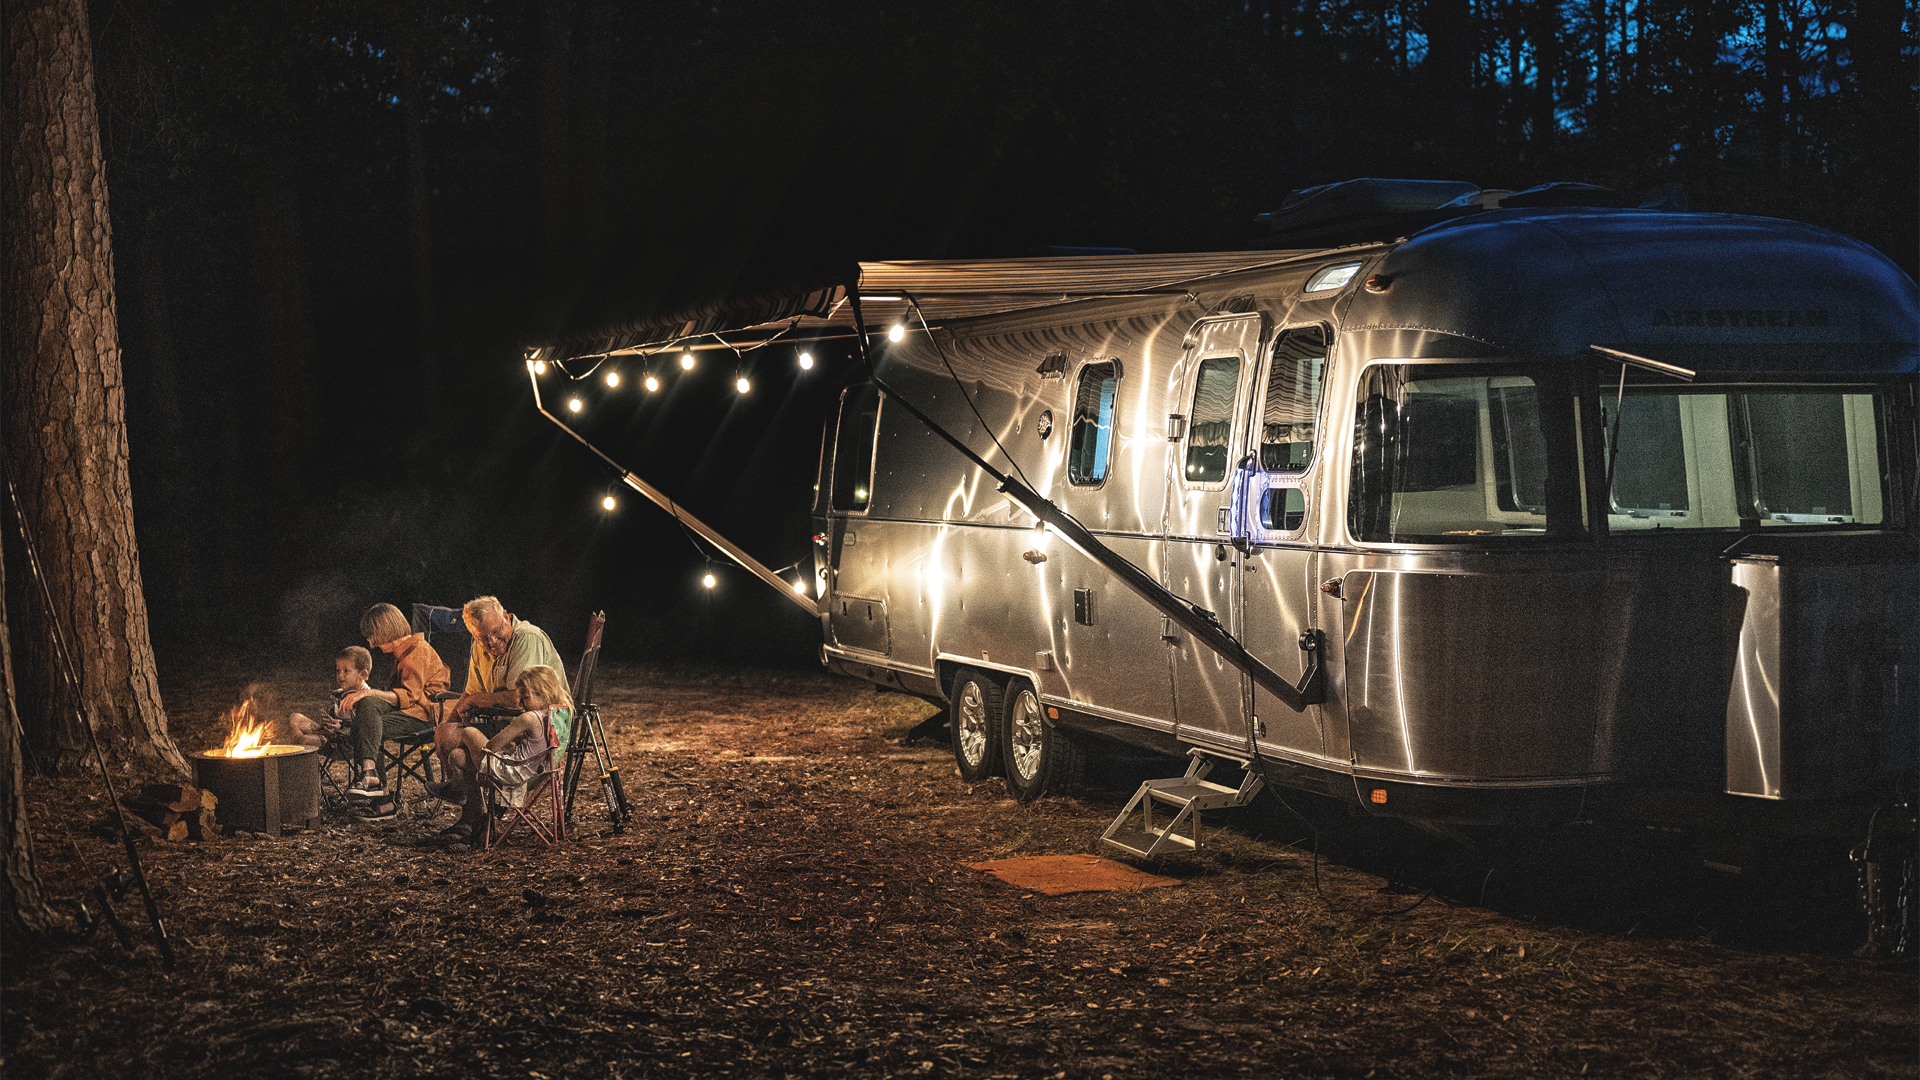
503, 647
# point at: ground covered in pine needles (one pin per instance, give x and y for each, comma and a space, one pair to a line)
794, 899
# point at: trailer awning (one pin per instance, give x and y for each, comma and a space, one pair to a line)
944, 289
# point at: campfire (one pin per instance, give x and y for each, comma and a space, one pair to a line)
247, 735
260, 785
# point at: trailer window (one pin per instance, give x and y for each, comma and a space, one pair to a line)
1720, 457
1456, 454
853, 448
1292, 405
1090, 438
1210, 423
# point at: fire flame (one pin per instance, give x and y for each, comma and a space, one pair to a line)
246, 732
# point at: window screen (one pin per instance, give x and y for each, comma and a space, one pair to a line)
1292, 407
1210, 423
1090, 436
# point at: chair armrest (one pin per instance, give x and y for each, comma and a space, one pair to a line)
445, 695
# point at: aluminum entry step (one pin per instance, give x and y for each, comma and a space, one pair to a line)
1187, 795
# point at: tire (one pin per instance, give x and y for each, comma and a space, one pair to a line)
1039, 756
974, 725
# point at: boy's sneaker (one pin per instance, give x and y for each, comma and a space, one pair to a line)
369, 785
383, 810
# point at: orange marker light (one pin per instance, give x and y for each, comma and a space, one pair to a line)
1379, 796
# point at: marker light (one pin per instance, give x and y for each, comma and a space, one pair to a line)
573, 405
806, 361
607, 503
686, 361
709, 581
896, 332
539, 367
741, 384
613, 378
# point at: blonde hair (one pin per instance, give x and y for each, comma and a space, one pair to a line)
362, 659
479, 608
544, 681
383, 623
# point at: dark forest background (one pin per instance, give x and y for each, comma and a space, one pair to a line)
337, 222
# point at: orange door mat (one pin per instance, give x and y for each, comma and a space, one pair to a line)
1058, 874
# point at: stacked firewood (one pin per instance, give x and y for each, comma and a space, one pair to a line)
172, 811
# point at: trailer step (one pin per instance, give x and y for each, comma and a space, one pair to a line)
1187, 795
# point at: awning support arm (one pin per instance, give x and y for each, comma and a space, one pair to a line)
752, 565
1201, 624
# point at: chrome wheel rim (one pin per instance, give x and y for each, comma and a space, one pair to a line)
1025, 737
972, 728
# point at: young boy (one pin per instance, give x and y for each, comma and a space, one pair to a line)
350, 670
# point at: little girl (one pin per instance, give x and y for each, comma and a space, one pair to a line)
545, 722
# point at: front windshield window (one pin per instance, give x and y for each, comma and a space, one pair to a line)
1742, 457
1452, 454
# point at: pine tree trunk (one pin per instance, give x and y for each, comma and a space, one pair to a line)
22, 900
66, 437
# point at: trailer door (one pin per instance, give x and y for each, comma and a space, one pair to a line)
1279, 573
1209, 703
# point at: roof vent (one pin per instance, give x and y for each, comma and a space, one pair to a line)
1358, 210
1564, 194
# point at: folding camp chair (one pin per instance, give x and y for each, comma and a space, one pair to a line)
590, 737
536, 803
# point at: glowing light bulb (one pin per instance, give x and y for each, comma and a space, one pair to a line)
539, 367
741, 384
613, 378
709, 581
686, 361
573, 405
653, 383
896, 332
607, 503
806, 361
800, 587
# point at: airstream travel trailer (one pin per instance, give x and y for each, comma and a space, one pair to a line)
1529, 514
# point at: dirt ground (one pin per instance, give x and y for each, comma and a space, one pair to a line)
794, 899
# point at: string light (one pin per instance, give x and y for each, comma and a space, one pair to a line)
653, 382
800, 587
806, 361
539, 367
686, 361
896, 332
741, 384
613, 378
608, 503
573, 405
709, 580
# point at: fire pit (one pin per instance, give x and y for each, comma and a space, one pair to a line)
261, 792
260, 786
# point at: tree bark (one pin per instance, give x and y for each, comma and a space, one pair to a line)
22, 899
65, 443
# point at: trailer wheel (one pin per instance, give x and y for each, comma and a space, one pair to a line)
975, 725
1040, 757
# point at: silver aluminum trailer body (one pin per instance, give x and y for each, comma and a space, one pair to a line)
1596, 511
